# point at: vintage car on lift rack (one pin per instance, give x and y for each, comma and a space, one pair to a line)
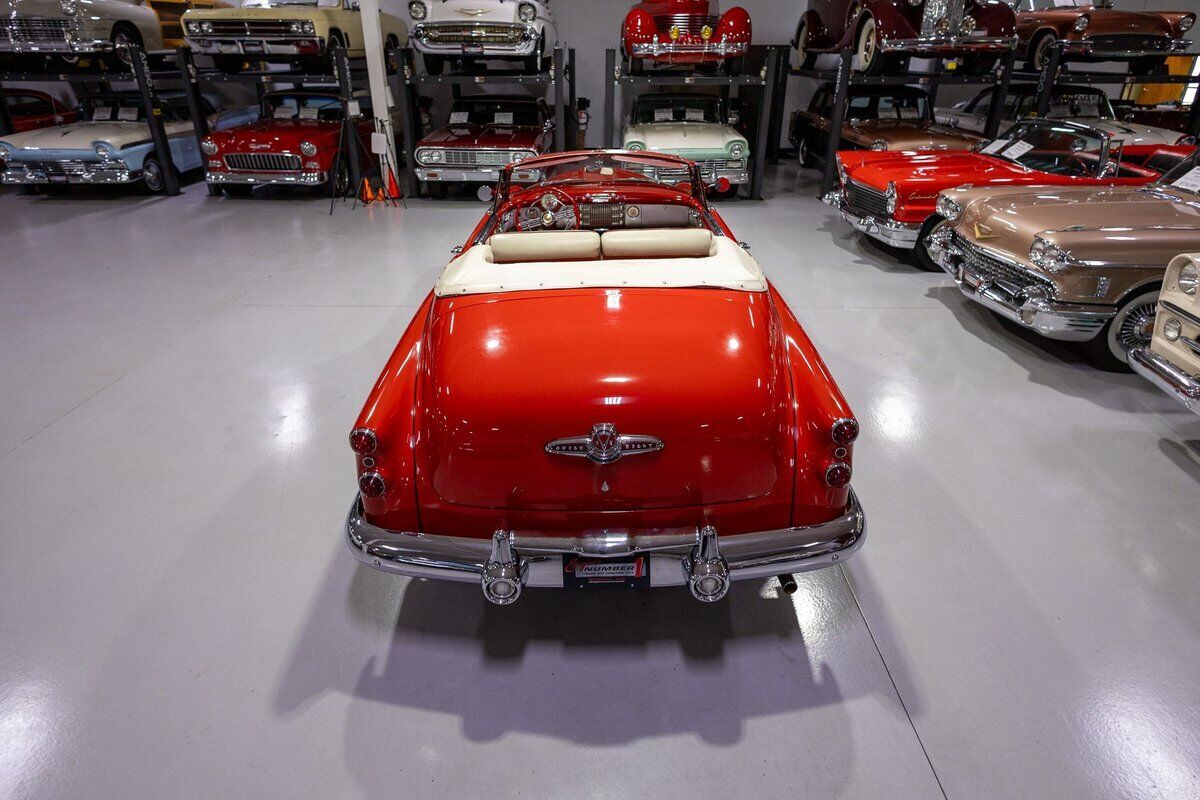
1172, 359
1076, 264
1086, 105
691, 126
892, 196
30, 109
1093, 30
110, 144
885, 33
481, 135
471, 31
877, 118
297, 141
689, 33
542, 422
303, 32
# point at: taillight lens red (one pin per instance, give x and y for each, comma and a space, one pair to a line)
837, 474
370, 484
363, 441
845, 430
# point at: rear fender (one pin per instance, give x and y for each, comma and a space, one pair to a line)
733, 27
639, 28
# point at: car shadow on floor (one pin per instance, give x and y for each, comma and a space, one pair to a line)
868, 251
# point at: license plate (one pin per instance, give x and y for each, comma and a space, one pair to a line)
472, 49
253, 47
632, 572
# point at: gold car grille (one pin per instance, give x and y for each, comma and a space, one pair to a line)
36, 29
250, 27
262, 162
486, 33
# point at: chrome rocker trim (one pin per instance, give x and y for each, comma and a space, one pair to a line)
701, 560
1031, 308
942, 44
1166, 376
467, 175
261, 178
902, 235
101, 175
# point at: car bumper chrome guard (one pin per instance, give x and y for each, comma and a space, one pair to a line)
1166, 376
702, 560
20, 176
902, 235
685, 48
944, 44
259, 178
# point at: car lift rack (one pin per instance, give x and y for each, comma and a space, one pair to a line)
769, 80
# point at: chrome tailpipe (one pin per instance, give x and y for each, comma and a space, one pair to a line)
503, 575
706, 570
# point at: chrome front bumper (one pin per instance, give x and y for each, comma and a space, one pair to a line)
658, 49
525, 40
472, 175
16, 174
1029, 307
902, 235
672, 557
1166, 376
259, 178
948, 44
302, 45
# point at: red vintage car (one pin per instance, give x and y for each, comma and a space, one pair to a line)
481, 135
543, 421
893, 196
297, 141
886, 32
688, 32
30, 109
1094, 31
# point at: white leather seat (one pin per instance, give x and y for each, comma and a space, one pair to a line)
532, 246
657, 243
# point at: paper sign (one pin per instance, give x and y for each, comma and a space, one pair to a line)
102, 114
1016, 150
663, 115
694, 114
503, 118
354, 108
994, 146
284, 112
127, 113
308, 112
459, 117
1189, 182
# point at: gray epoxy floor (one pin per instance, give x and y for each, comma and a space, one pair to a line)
178, 617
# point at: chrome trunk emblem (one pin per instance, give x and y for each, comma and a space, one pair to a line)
604, 445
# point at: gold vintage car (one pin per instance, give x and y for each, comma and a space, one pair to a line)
1172, 359
301, 31
1074, 264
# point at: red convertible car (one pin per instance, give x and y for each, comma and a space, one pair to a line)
686, 32
30, 109
892, 196
295, 142
543, 422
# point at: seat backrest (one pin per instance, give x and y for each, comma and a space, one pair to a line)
657, 243
534, 246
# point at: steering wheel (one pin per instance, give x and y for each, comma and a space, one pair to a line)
1077, 167
559, 211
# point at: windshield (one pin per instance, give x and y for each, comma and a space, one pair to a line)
302, 106
685, 108
889, 107
494, 112
1067, 104
621, 167
1056, 149
1184, 176
129, 108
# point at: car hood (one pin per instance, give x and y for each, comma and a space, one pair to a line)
471, 11
1133, 132
914, 135
80, 135
696, 368
1107, 21
670, 137
931, 172
483, 136
276, 135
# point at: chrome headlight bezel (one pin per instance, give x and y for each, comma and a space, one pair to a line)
308, 149
1189, 279
208, 146
103, 149
192, 27
1048, 255
430, 155
517, 156
526, 12
206, 26
635, 147
1081, 23
308, 26
68, 7
737, 149
890, 197
879, 145
948, 208
418, 10
1172, 329
295, 26
1186, 23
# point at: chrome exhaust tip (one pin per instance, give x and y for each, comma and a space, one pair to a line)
707, 572
502, 579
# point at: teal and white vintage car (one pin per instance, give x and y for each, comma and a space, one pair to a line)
110, 144
691, 126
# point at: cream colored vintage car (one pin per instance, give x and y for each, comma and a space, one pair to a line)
691, 126
289, 30
1172, 359
76, 27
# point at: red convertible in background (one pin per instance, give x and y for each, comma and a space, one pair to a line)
31, 109
543, 421
687, 32
893, 196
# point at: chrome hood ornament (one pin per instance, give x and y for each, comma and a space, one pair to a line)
472, 12
604, 445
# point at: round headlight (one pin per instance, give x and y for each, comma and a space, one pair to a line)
1189, 277
206, 26
208, 146
1082, 23
429, 156
1186, 23
67, 6
102, 149
635, 146
890, 197
193, 27
968, 24
879, 144
308, 26
295, 26
737, 150
308, 149
1172, 330
527, 12
417, 10
947, 208
5, 149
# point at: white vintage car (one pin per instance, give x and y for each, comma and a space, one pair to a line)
1172, 360
692, 126
110, 144
469, 30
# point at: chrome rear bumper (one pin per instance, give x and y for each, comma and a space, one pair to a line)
1166, 376
673, 557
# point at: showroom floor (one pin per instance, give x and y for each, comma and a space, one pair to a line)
179, 617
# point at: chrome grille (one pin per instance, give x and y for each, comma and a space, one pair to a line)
866, 200
263, 162
1010, 276
251, 27
64, 167
707, 170
37, 29
470, 158
460, 33
941, 17
1125, 42
689, 24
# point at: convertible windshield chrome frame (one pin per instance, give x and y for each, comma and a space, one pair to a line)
1106, 138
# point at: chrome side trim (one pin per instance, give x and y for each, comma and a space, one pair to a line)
1166, 376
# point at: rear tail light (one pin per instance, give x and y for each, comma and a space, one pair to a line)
837, 474
363, 441
845, 430
370, 484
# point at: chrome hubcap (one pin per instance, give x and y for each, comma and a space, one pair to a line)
1137, 326
152, 174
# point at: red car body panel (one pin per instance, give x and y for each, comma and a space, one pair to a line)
491, 136
283, 136
43, 112
833, 24
655, 18
921, 176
